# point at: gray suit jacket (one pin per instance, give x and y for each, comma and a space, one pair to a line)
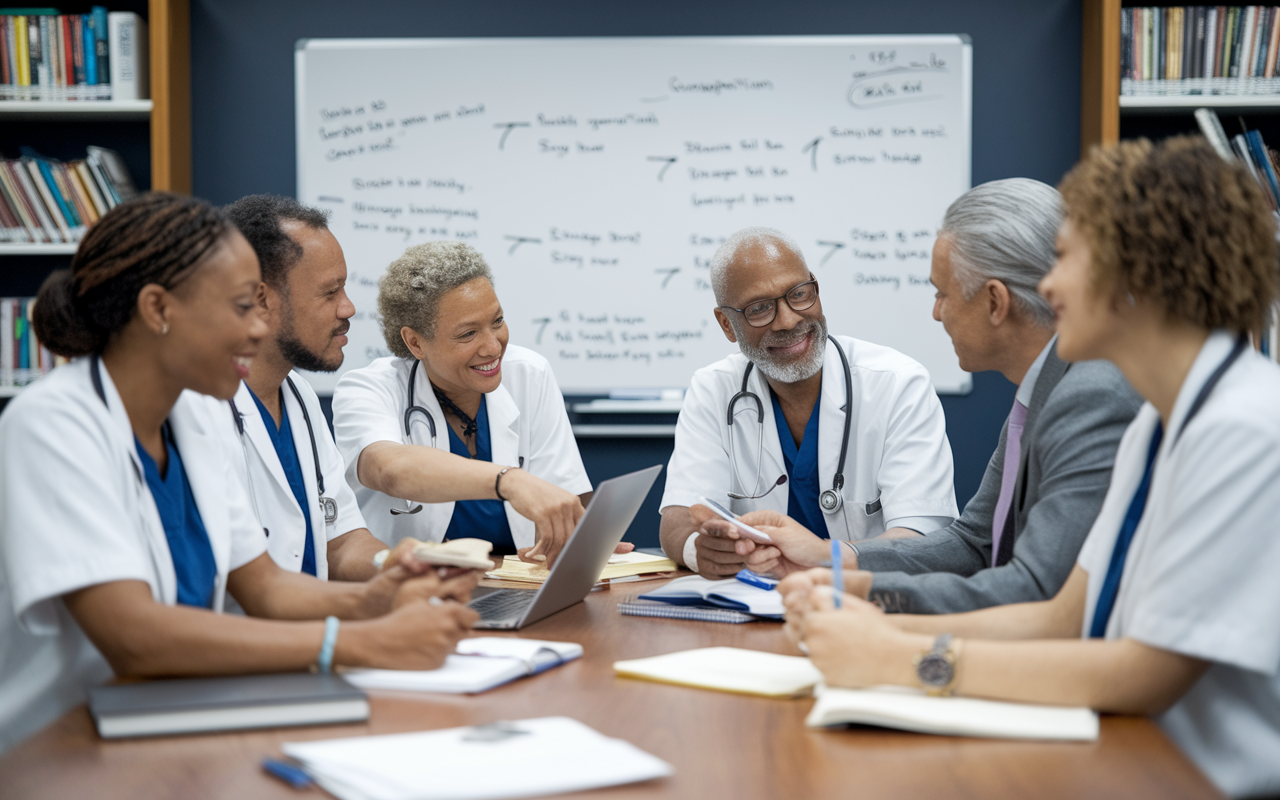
1077, 415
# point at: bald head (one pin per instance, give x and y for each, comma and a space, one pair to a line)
756, 248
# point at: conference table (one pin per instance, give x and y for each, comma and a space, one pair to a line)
721, 745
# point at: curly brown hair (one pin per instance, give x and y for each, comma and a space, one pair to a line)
1176, 223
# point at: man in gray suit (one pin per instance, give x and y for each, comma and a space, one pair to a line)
1019, 536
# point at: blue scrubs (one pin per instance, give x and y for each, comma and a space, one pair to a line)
188, 540
480, 519
282, 440
802, 470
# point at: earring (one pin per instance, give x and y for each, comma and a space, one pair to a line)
1133, 301
164, 329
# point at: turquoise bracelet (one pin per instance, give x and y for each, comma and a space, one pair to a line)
325, 661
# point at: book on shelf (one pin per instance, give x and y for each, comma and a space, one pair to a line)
1249, 148
45, 201
1189, 50
22, 357
45, 55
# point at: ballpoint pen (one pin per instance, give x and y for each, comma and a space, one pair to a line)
837, 571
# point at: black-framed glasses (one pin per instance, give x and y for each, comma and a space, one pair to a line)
800, 297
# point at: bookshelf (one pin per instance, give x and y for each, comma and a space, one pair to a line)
154, 136
1106, 116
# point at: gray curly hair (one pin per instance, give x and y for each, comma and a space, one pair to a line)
409, 294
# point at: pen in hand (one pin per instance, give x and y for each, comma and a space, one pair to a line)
837, 572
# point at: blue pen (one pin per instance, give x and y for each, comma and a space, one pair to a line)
837, 571
759, 581
290, 774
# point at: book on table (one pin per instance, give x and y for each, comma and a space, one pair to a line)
621, 568
694, 590
197, 705
912, 710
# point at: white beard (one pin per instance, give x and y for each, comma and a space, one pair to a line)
787, 371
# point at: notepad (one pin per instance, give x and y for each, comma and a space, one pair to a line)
695, 590
194, 705
727, 669
620, 566
649, 608
913, 710
522, 758
480, 664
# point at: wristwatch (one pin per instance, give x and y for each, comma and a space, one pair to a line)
936, 669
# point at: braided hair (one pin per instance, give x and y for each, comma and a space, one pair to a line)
155, 238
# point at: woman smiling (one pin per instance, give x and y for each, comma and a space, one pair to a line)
1167, 261
458, 434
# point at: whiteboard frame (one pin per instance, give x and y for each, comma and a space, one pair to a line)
302, 46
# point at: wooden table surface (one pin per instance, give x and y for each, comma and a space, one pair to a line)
721, 745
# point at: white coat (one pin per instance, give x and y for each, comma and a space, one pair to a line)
527, 420
273, 499
75, 511
1200, 575
898, 463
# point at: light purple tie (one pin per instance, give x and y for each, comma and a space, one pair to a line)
1009, 476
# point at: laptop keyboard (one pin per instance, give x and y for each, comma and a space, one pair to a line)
503, 604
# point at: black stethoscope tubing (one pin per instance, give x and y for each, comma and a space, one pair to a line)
831, 500
328, 505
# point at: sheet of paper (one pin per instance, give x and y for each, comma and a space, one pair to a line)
549, 755
728, 669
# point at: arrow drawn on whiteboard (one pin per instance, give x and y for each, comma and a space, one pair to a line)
835, 248
671, 273
519, 240
669, 161
813, 157
327, 199
542, 323
507, 126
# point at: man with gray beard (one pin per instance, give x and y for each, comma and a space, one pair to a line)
845, 436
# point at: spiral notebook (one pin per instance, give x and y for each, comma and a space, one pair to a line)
649, 608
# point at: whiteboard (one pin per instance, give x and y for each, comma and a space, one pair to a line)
597, 177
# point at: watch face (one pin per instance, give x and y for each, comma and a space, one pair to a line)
934, 670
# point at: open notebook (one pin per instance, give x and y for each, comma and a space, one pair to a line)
480, 664
913, 710
732, 593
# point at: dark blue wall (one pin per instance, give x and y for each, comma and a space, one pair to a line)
1026, 111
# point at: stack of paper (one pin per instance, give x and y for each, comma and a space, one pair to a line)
913, 710
481, 663
727, 669
621, 567
534, 757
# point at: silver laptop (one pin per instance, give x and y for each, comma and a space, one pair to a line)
578, 567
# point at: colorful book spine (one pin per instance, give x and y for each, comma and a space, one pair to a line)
46, 200
49, 56
1188, 50
23, 358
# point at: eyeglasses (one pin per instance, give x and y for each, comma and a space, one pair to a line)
800, 297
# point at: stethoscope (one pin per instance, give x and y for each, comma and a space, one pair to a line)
830, 500
409, 411
328, 505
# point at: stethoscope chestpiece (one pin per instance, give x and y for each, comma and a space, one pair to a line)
830, 500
